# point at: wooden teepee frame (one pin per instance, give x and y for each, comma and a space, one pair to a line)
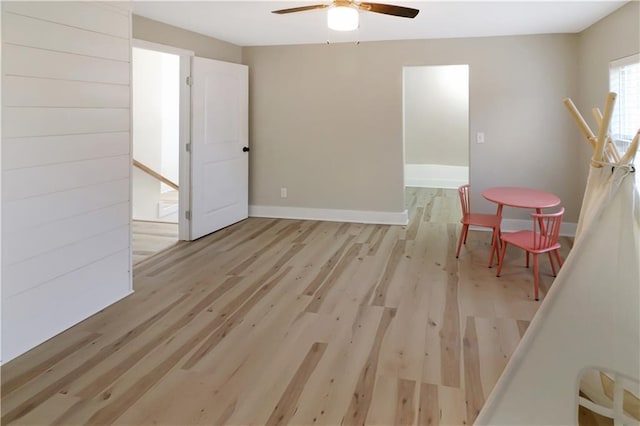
603, 148
613, 391
588, 322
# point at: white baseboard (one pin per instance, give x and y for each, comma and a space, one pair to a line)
331, 215
435, 176
567, 229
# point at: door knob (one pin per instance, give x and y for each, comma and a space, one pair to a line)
245, 149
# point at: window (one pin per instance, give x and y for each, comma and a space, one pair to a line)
624, 79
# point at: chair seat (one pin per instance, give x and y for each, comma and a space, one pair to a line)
541, 238
524, 240
481, 219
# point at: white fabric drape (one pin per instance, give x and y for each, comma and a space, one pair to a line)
589, 318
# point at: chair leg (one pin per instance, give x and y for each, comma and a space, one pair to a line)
527, 254
557, 252
553, 268
535, 275
466, 232
463, 236
501, 258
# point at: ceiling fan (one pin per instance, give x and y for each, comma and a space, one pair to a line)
344, 13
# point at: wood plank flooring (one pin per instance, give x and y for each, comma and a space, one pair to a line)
292, 322
150, 238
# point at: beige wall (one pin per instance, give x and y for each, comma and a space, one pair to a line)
436, 115
203, 46
326, 120
614, 37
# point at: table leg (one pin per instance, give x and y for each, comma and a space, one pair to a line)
495, 244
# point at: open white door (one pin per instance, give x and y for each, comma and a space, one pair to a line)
219, 152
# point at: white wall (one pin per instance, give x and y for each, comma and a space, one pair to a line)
0, 192
65, 166
436, 115
155, 130
436, 125
169, 157
147, 130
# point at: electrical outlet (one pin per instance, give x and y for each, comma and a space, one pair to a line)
480, 137
283, 192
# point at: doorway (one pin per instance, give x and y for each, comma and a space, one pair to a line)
158, 186
436, 126
209, 144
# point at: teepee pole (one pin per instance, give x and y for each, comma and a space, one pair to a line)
597, 115
631, 151
610, 148
582, 125
604, 129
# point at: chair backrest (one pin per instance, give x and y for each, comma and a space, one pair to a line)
546, 229
463, 192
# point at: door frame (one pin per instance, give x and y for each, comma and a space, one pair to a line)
184, 193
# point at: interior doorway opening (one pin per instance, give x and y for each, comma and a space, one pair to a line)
436, 126
159, 189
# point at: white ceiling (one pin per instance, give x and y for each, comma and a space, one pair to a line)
250, 23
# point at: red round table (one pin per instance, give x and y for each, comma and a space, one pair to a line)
525, 198
520, 197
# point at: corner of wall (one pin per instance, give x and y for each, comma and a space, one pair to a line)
170, 35
1, 84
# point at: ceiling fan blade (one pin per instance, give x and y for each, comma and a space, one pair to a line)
300, 9
389, 9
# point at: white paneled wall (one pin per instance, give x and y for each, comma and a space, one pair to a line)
66, 171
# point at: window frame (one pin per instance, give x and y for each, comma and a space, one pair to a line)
622, 143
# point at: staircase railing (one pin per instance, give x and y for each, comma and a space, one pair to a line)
148, 170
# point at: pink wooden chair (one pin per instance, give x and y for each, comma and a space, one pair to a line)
542, 239
476, 219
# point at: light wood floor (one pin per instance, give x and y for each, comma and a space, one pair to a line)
150, 238
292, 322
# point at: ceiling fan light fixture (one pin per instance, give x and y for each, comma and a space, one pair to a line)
342, 18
